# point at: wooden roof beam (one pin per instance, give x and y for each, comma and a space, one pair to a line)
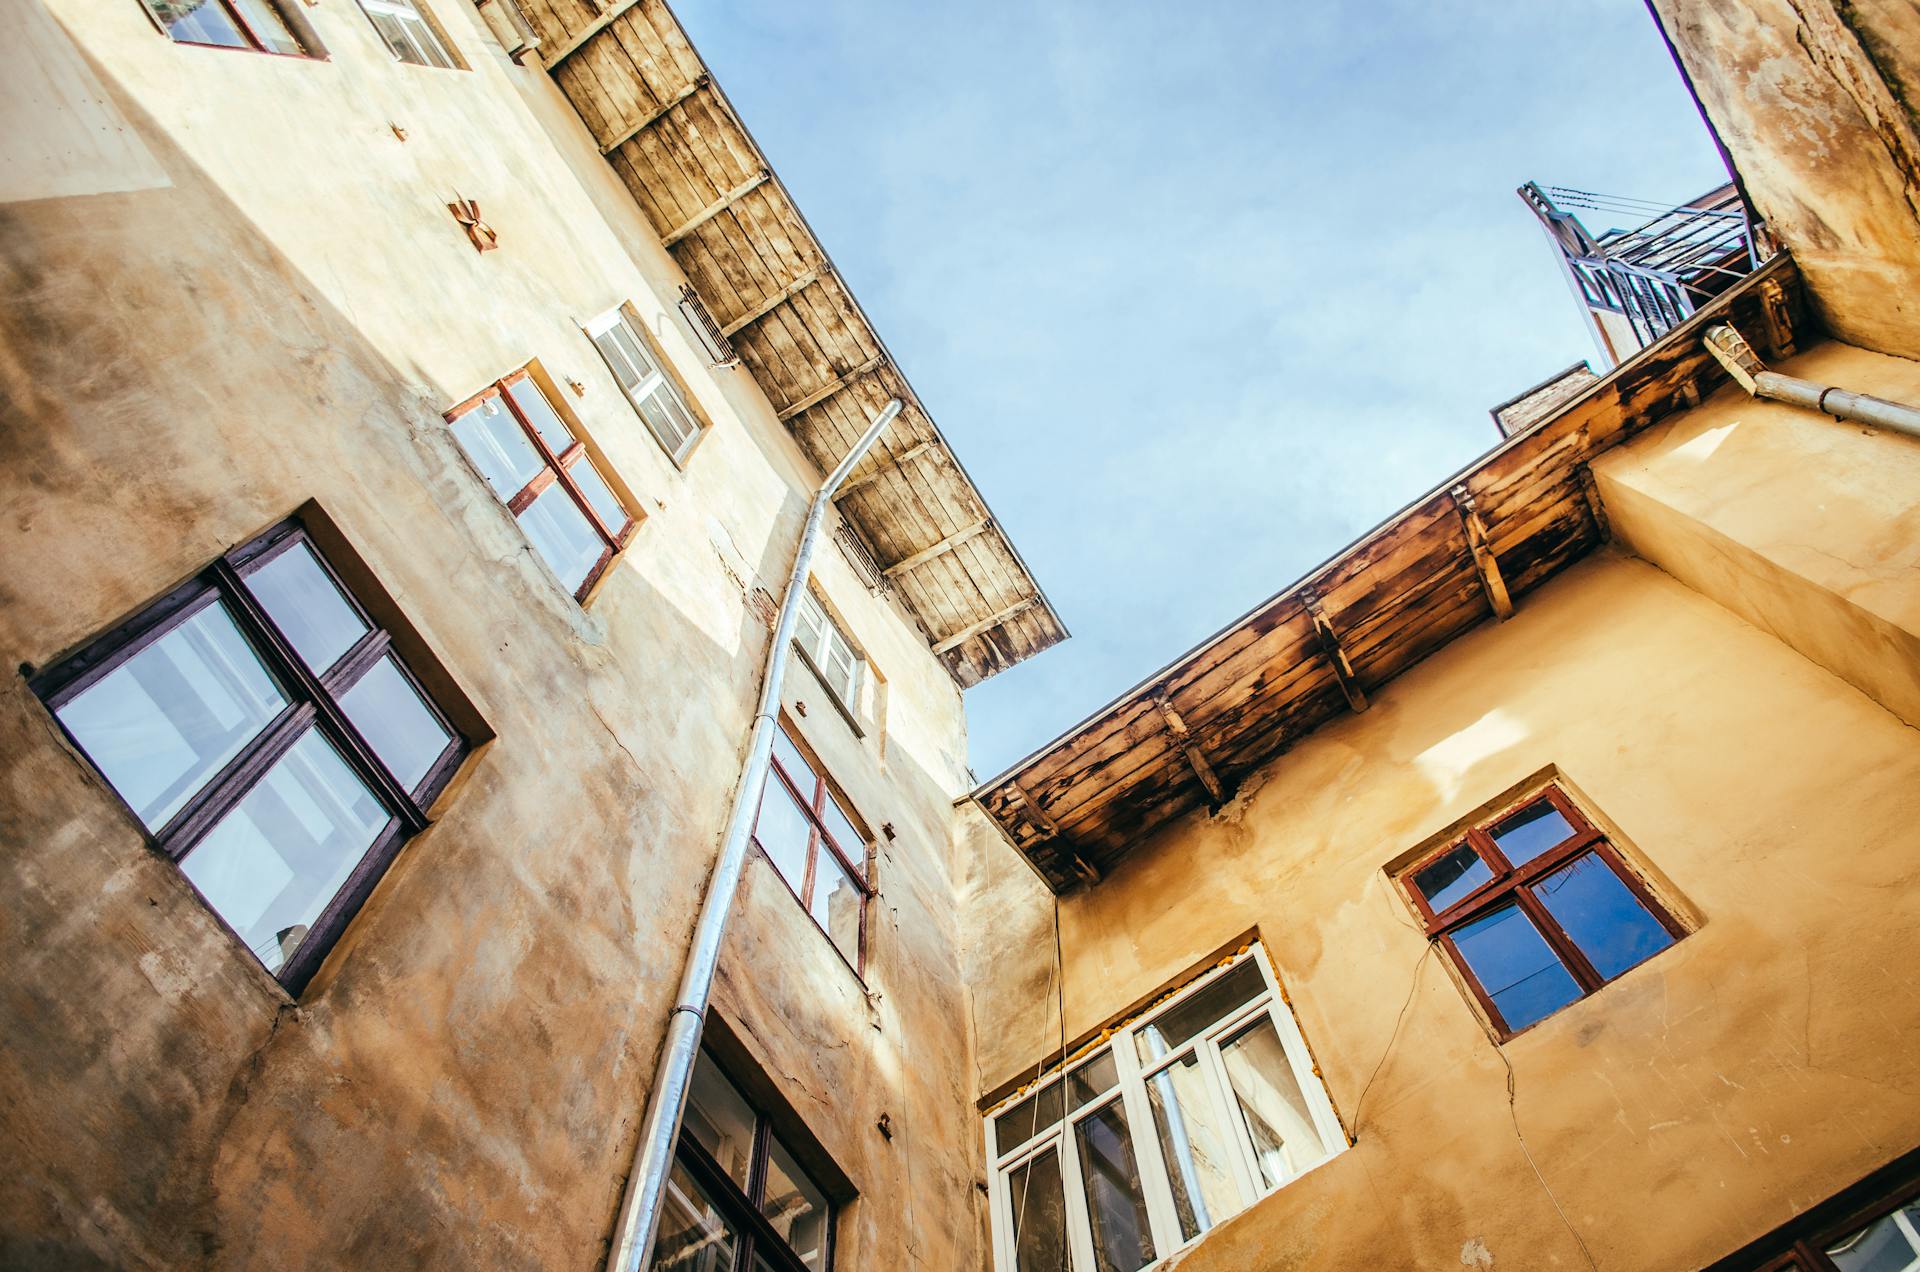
1596, 507
832, 387
655, 115
1484, 562
967, 633
587, 32
1190, 747
1050, 831
883, 468
772, 303
1330, 647
718, 206
945, 545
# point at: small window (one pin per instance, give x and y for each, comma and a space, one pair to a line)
1872, 1226
1181, 1119
810, 838
410, 34
737, 1198
642, 377
541, 471
260, 25
269, 739
829, 652
1537, 910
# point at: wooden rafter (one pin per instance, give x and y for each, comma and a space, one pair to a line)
655, 115
718, 206
586, 33
771, 303
884, 468
945, 545
968, 632
1335, 653
1190, 747
1051, 832
1484, 562
1596, 507
831, 387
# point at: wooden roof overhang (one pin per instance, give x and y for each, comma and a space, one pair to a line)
1187, 735
681, 151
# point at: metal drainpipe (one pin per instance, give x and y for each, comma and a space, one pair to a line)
653, 1156
1738, 357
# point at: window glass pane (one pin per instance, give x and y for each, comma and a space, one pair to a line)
395, 722
1890, 1243
1092, 1079
837, 902
783, 833
694, 1236
667, 417
1039, 1214
1531, 831
275, 861
563, 536
1194, 1144
1273, 1112
1513, 963
612, 513
812, 621
1022, 1121
843, 831
1451, 877
795, 1207
840, 669
199, 22
164, 722
1601, 915
720, 1119
1116, 1206
269, 26
498, 447
540, 413
1180, 1023
793, 762
613, 346
306, 606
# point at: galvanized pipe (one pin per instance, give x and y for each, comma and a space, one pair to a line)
653, 1156
1738, 357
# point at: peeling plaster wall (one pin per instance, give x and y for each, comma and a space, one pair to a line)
1815, 101
1747, 1072
259, 301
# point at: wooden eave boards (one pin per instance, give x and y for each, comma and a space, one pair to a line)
682, 153
1471, 548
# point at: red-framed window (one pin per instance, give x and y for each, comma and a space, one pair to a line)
1873, 1226
534, 461
810, 837
260, 25
1537, 910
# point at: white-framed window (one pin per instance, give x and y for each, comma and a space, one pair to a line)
645, 382
831, 654
1183, 1117
409, 34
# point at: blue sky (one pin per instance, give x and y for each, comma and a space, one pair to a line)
1200, 292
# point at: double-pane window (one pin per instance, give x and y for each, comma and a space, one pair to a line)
828, 651
408, 33
269, 739
809, 837
1180, 1120
232, 24
737, 1199
542, 472
643, 379
1538, 910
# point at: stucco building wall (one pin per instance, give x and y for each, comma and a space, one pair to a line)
250, 298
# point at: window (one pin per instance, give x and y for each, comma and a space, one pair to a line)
260, 25
410, 34
808, 835
643, 379
1184, 1117
542, 472
829, 652
737, 1199
1537, 910
267, 736
1874, 1226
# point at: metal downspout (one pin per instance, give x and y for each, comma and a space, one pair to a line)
1738, 357
653, 1156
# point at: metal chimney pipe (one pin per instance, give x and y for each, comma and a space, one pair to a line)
653, 1156
1738, 357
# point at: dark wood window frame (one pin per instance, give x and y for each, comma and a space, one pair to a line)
556, 469
297, 26
1513, 885
814, 806
312, 701
1800, 1244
